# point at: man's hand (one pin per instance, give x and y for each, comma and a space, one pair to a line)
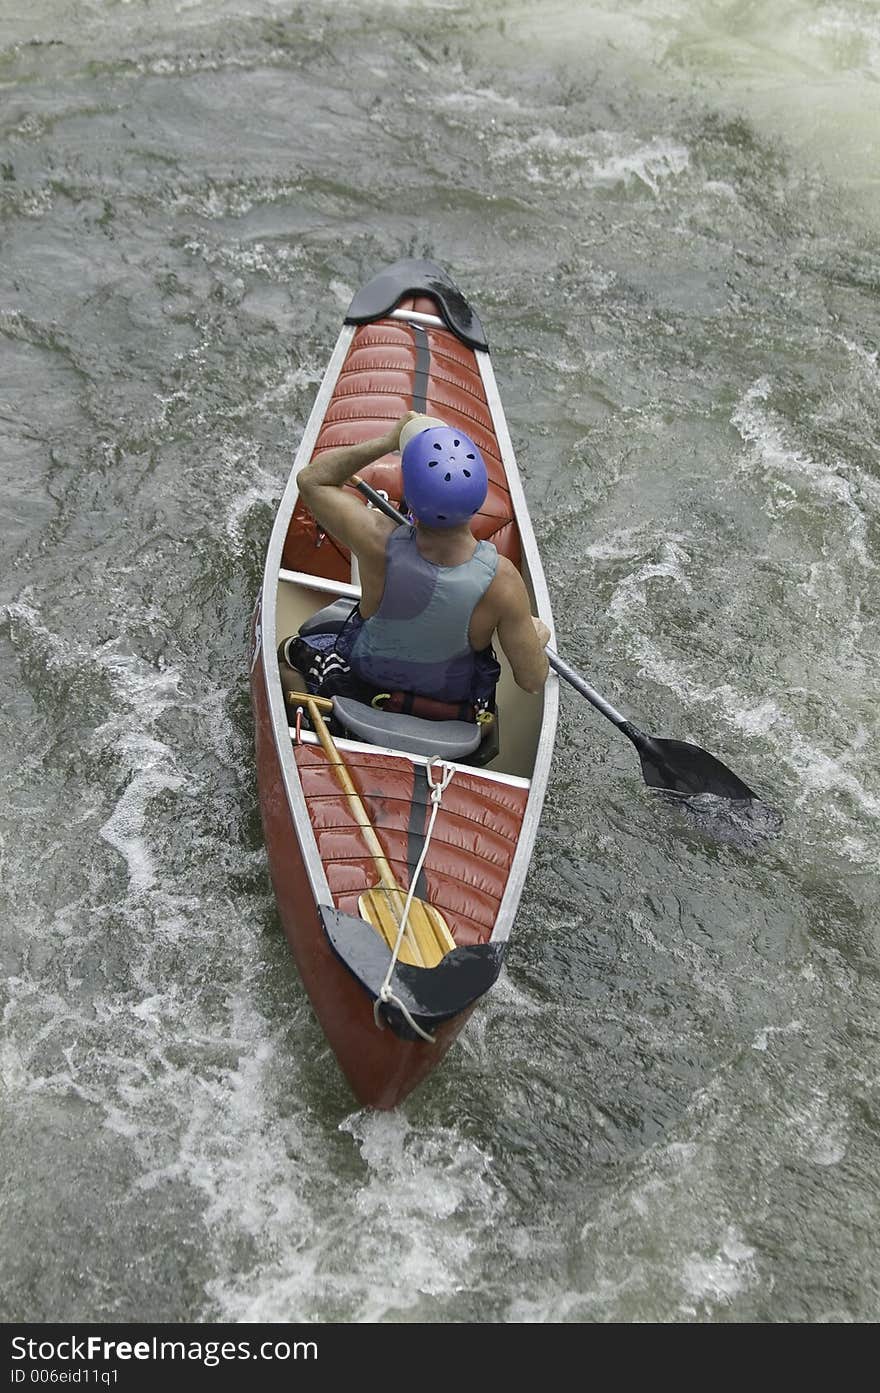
541, 630
394, 432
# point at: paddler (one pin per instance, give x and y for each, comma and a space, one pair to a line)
433, 597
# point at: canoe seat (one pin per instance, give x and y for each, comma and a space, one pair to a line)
444, 739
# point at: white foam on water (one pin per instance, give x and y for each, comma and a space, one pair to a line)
181, 395
722, 188
124, 829
240, 460
507, 1001
652, 165
221, 1128
594, 159
14, 1074
211, 703
404, 1227
721, 1276
868, 359
857, 850
143, 694
248, 258
192, 63
759, 719
429, 1197
232, 1148
299, 379
198, 1093
342, 293
632, 589
764, 1036
620, 545
788, 468
468, 98
818, 1128
659, 1240
510, 997
820, 773
685, 951
853, 36
147, 766
557, 1308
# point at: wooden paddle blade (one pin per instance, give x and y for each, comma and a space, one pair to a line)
377, 908
685, 768
427, 938
442, 931
432, 932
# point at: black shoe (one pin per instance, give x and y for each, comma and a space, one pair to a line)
284, 654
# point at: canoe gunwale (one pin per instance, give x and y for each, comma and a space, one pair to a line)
547, 738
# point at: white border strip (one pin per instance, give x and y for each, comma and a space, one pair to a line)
544, 753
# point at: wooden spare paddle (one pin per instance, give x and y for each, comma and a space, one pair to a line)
427, 938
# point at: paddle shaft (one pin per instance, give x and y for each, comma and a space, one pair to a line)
378, 500
575, 680
386, 875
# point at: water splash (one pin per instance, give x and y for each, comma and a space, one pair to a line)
743, 822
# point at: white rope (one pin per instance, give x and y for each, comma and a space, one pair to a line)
385, 992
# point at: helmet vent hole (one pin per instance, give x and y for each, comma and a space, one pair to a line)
432, 463
447, 477
470, 457
441, 517
437, 446
456, 442
466, 473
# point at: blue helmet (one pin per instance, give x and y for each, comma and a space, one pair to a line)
444, 477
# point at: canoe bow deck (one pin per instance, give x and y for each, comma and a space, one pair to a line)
411, 342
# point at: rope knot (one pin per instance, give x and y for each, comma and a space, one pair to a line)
386, 995
439, 787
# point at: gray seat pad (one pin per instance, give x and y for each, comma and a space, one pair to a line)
444, 739
328, 620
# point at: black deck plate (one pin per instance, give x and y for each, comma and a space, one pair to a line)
432, 995
413, 277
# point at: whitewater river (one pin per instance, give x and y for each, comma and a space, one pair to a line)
665, 214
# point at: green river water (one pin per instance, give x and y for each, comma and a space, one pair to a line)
665, 213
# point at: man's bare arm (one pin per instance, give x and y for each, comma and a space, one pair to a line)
522, 636
339, 513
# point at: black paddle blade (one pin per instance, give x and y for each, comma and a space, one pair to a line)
684, 768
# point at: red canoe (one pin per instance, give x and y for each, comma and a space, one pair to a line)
410, 342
